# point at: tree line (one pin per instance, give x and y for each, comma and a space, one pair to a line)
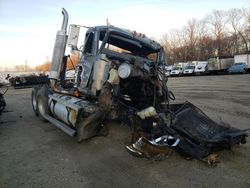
220, 33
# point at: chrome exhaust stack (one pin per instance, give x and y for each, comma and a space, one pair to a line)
59, 50
57, 71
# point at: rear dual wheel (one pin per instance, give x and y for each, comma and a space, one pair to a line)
34, 99
39, 98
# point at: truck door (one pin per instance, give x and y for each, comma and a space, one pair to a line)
88, 59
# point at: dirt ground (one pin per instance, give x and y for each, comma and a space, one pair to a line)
36, 154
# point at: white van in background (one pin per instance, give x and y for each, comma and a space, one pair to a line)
176, 71
168, 69
189, 69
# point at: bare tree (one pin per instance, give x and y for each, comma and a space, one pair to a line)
217, 22
218, 34
205, 43
234, 19
245, 34
173, 40
191, 37
182, 42
167, 48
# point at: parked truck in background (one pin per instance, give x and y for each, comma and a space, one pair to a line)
219, 64
243, 58
201, 67
176, 71
189, 69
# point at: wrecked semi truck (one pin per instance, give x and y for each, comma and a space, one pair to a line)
119, 76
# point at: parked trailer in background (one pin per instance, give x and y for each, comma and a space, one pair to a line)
219, 64
25, 81
243, 58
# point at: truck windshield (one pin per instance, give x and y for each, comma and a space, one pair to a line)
189, 67
176, 68
238, 64
121, 44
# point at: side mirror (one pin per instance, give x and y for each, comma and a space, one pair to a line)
73, 35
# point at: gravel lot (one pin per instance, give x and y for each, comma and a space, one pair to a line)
36, 154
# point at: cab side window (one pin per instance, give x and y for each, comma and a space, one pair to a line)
88, 48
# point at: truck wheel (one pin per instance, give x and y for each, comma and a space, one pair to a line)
42, 102
34, 99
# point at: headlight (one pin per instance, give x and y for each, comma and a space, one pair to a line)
124, 70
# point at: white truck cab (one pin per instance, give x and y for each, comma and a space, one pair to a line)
189, 70
201, 67
176, 71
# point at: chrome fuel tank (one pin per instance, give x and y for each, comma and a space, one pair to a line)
68, 109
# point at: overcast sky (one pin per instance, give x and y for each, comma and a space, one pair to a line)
28, 27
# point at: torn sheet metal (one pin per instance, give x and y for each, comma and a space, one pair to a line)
150, 149
191, 133
194, 125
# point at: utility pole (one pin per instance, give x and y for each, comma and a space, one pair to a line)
26, 65
248, 35
107, 22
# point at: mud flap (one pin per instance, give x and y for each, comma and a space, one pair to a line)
90, 126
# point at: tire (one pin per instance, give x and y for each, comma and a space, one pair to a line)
42, 102
34, 99
2, 103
